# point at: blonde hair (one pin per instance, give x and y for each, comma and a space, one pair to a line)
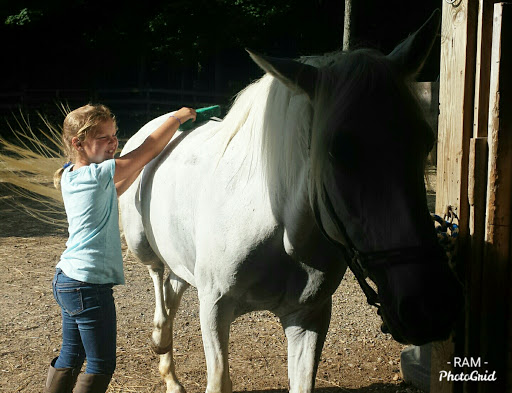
81, 123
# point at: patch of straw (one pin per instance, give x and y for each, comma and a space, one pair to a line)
27, 166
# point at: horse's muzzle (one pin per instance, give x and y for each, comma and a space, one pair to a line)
420, 303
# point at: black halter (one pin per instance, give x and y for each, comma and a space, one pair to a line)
360, 262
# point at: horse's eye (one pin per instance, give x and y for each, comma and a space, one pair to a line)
345, 150
426, 136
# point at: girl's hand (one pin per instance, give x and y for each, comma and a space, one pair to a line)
185, 114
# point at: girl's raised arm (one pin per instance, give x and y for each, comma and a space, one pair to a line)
129, 165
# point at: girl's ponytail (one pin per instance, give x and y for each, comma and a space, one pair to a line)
56, 177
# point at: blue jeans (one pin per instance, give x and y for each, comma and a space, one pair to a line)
88, 324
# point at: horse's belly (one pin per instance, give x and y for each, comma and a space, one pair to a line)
207, 214
220, 233
192, 192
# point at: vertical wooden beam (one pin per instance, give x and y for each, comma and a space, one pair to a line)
477, 194
456, 92
456, 89
477, 185
483, 67
347, 25
496, 278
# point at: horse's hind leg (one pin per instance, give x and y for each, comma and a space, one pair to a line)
168, 296
161, 337
305, 332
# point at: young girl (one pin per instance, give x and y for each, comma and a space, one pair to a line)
92, 262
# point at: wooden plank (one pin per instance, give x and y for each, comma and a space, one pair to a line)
496, 277
456, 89
477, 194
483, 67
477, 186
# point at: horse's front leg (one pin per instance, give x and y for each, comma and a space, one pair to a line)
305, 331
168, 296
216, 315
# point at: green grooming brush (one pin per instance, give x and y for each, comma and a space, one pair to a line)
202, 116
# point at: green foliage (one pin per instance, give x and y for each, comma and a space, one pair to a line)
24, 17
76, 43
186, 31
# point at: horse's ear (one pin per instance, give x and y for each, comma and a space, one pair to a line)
410, 55
292, 73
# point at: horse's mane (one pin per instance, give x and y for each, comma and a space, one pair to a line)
294, 132
279, 120
364, 95
288, 132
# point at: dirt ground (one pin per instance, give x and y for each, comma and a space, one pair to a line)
357, 357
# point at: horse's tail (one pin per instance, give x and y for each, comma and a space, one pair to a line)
28, 161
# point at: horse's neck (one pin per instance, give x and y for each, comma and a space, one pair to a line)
284, 149
285, 139
267, 131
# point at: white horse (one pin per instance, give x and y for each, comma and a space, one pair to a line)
318, 164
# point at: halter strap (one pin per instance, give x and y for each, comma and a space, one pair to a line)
351, 254
360, 262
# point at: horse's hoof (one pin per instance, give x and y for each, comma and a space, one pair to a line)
158, 349
176, 389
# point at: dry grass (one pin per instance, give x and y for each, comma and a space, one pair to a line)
357, 357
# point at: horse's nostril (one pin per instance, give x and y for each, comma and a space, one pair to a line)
424, 314
412, 311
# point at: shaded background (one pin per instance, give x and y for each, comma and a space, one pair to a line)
145, 58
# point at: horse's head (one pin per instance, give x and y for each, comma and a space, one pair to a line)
369, 142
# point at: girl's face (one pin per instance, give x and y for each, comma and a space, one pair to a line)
101, 146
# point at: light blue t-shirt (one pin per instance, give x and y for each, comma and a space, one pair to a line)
93, 252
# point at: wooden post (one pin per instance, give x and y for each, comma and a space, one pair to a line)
483, 67
477, 186
496, 278
477, 193
456, 89
347, 25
